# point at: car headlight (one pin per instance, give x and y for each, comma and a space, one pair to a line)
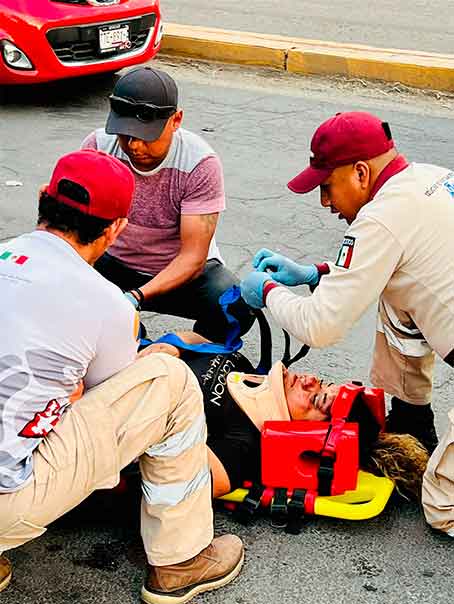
14, 57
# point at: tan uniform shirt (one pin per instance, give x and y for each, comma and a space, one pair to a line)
400, 246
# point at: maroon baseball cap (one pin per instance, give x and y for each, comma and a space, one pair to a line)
343, 139
94, 183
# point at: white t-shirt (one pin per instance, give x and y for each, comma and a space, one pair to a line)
63, 324
400, 247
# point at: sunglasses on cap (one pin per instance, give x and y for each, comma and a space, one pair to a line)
145, 112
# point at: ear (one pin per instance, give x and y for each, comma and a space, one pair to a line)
362, 171
112, 231
177, 119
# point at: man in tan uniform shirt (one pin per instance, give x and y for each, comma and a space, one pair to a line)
398, 249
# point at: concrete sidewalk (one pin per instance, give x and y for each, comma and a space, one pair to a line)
311, 57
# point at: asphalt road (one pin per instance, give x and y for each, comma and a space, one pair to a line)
407, 24
260, 123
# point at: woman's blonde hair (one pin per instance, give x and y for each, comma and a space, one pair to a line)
403, 459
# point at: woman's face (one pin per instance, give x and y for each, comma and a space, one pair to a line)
308, 397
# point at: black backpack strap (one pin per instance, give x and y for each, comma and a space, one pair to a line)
325, 475
288, 360
266, 347
296, 512
279, 509
246, 510
266, 344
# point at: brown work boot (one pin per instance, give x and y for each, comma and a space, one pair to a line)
215, 566
6, 572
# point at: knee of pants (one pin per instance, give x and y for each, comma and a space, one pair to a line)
124, 277
215, 327
244, 314
438, 483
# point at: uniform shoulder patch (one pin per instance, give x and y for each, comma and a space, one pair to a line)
449, 186
344, 257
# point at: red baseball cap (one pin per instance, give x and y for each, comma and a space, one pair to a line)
94, 183
343, 139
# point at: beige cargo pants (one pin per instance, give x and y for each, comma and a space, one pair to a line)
438, 483
152, 410
403, 361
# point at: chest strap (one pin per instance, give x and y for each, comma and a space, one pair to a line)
339, 413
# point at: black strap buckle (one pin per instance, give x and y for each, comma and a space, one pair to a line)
325, 475
246, 510
296, 512
279, 510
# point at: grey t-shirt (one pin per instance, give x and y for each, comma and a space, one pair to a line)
188, 182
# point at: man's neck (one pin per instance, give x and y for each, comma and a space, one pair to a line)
89, 252
148, 167
378, 164
392, 167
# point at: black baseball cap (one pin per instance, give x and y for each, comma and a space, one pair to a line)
141, 103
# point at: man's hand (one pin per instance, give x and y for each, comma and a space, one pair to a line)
263, 253
252, 289
285, 271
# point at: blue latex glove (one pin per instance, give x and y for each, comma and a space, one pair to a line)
252, 288
131, 298
285, 271
264, 252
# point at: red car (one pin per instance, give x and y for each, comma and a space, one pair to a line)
43, 40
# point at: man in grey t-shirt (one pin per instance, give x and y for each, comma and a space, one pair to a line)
167, 259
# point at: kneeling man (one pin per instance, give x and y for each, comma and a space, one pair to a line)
75, 404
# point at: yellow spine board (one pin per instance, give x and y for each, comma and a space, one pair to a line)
366, 501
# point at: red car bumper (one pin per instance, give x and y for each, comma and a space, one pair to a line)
62, 39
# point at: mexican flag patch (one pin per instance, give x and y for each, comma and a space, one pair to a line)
344, 258
10, 257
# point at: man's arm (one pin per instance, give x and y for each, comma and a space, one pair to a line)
220, 478
116, 346
189, 337
196, 232
366, 261
203, 199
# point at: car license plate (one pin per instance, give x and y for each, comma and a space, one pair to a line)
114, 38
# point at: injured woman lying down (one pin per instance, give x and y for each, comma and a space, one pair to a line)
238, 402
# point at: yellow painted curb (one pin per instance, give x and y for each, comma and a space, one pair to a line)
311, 57
223, 45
